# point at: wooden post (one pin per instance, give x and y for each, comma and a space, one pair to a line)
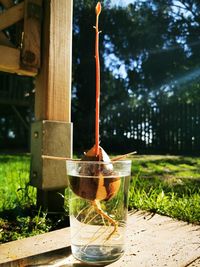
52, 131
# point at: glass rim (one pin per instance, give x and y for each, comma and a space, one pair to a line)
98, 162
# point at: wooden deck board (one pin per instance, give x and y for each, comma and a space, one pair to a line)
36, 245
151, 241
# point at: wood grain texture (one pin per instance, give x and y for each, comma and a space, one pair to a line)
10, 61
11, 16
3, 39
32, 33
152, 241
53, 85
37, 245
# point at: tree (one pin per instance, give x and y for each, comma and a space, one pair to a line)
149, 56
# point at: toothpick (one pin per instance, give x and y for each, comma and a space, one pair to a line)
113, 159
58, 158
123, 156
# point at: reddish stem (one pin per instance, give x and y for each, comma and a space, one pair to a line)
98, 10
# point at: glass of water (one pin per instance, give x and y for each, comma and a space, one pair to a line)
98, 206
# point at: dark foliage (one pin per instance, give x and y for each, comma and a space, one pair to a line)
149, 54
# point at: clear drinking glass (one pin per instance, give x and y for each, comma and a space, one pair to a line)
98, 205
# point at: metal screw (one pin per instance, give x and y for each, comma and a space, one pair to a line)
34, 175
36, 134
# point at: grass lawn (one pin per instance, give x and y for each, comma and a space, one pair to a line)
168, 185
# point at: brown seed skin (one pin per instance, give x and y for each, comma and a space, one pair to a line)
98, 188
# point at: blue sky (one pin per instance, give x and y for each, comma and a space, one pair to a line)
121, 2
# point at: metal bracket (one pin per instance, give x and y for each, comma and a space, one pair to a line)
51, 138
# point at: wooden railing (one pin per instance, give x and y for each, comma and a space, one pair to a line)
20, 31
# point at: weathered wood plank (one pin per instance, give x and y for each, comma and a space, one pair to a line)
54, 258
32, 33
36, 245
18, 28
10, 61
9, 58
155, 240
11, 16
152, 240
3, 39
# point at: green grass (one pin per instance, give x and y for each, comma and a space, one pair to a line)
168, 185
14, 179
18, 214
